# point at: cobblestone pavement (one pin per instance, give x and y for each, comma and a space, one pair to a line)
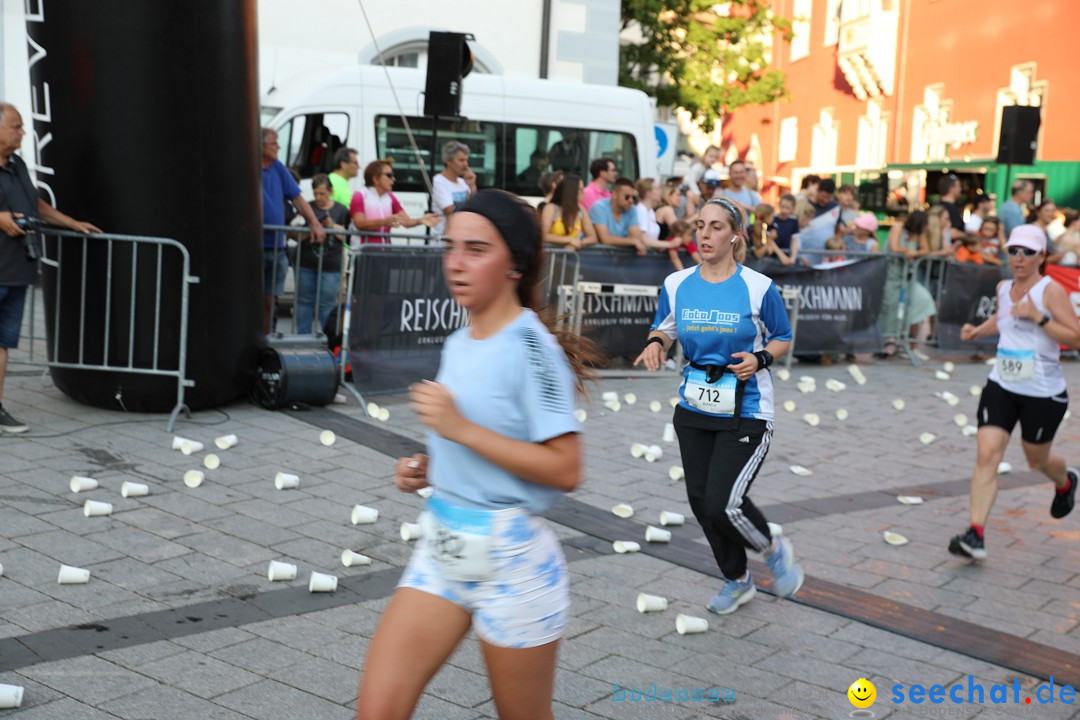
179, 620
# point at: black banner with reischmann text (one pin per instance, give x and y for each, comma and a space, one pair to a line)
968, 295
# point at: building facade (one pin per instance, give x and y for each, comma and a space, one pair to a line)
891, 94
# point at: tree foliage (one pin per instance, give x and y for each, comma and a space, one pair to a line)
706, 57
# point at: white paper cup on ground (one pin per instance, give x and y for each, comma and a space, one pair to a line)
674, 401
975, 390
190, 447
211, 461
625, 546
327, 437
667, 517
623, 510
613, 405
580, 415
354, 559
835, 385
286, 481
384, 414
133, 489
898, 404
775, 529
811, 419
909, 499
970, 431
372, 410
321, 582
280, 571
94, 508
655, 406
650, 603
1004, 467
894, 538
11, 696
950, 398
784, 374
194, 478
609, 396
841, 414
655, 534
178, 442
72, 575
629, 398
801, 471
411, 531
637, 450
676, 473
669, 432
1, 569
960, 419
82, 484
948, 366
690, 625
927, 437
226, 441
789, 405
363, 515
654, 453
941, 375
856, 374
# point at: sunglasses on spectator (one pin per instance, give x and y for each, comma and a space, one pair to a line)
1016, 250
389, 175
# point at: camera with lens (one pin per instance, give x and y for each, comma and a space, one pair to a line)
30, 224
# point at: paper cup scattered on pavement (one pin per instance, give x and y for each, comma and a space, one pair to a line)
835, 385
783, 374
625, 546
321, 582
1004, 467
1068, 414
676, 473
975, 390
898, 404
384, 414
73, 575
226, 441
1, 569
927, 437
800, 471
775, 529
354, 559
894, 538
941, 375
673, 401
623, 510
411, 531
654, 453
372, 409
194, 478
856, 374
133, 489
960, 419
81, 484
11, 696
426, 492
609, 396
805, 387
286, 481
655, 406
650, 603
189, 447
789, 405
909, 499
363, 515
629, 398
948, 366
637, 450
991, 361
613, 405
668, 517
327, 437
969, 431
669, 432
950, 398
93, 508
178, 442
690, 625
841, 414
655, 534
280, 571
811, 419
580, 415
212, 461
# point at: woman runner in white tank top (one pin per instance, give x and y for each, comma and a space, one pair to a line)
1033, 318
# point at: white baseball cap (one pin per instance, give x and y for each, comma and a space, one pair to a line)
1028, 236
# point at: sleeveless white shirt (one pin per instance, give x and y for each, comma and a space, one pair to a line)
1022, 340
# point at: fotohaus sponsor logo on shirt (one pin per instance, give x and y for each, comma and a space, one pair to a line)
710, 317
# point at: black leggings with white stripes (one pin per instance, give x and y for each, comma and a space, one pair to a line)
721, 457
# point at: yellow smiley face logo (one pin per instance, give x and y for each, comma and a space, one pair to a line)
862, 693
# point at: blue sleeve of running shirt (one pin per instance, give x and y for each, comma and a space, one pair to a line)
665, 316
548, 392
774, 316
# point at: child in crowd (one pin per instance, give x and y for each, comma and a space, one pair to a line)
970, 250
990, 232
762, 234
864, 239
836, 244
684, 233
785, 225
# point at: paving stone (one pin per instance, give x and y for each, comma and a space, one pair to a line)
260, 656
198, 674
88, 679
64, 709
164, 701
271, 699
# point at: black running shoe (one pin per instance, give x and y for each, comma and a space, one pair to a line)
9, 424
1063, 502
968, 545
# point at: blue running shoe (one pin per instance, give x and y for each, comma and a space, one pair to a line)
733, 594
787, 574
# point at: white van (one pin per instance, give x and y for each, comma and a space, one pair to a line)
509, 123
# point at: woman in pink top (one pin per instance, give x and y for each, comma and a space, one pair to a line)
376, 210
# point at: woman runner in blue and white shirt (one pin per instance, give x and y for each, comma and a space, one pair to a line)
504, 447
731, 322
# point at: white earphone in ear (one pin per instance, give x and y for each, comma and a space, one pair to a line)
514, 274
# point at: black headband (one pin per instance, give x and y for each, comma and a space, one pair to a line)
515, 220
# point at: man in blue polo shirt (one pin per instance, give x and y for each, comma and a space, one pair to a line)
278, 188
615, 220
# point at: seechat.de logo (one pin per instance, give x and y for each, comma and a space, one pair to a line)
862, 695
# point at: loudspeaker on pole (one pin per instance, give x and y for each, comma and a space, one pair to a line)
449, 61
1019, 138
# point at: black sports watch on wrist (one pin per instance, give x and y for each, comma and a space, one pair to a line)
1045, 319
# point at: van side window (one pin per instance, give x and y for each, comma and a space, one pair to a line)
308, 142
392, 143
532, 150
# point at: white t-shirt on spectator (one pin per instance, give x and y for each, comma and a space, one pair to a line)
974, 222
744, 195
646, 220
444, 194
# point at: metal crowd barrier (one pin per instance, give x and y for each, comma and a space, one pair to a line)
77, 358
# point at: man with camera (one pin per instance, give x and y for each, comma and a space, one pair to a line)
22, 212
